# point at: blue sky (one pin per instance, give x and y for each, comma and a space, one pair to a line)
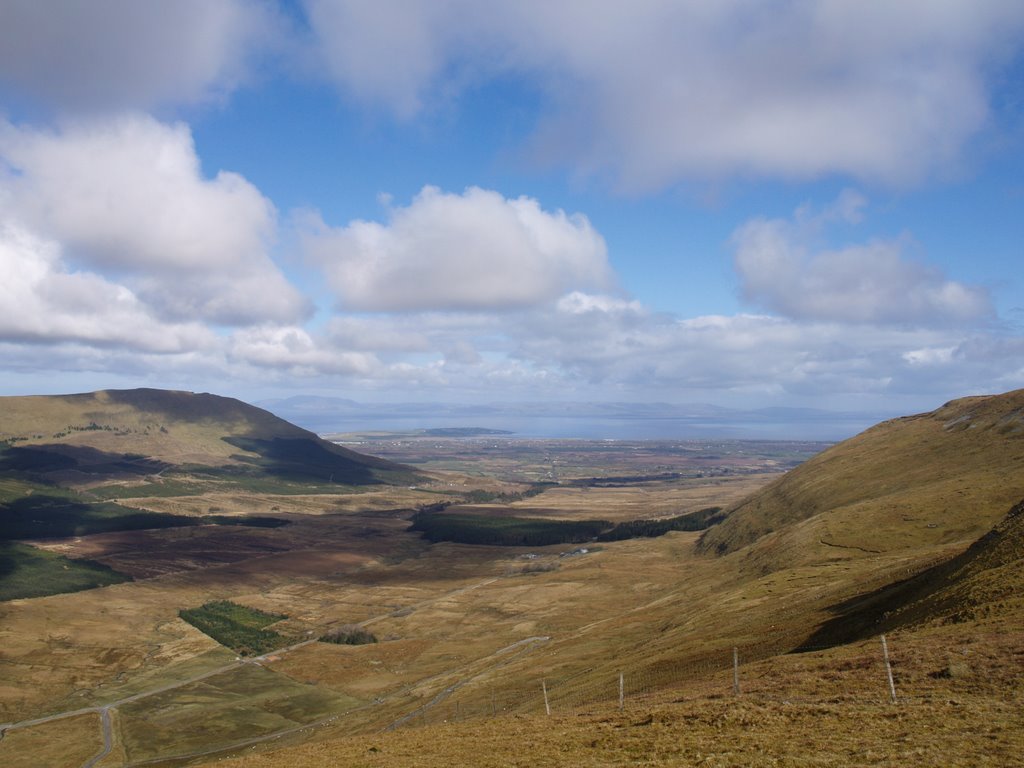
745, 203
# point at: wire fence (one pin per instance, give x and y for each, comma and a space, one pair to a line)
878, 671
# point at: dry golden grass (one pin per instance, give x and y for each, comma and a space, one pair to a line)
467, 631
823, 709
450, 616
906, 485
64, 744
241, 503
647, 500
707, 733
40, 419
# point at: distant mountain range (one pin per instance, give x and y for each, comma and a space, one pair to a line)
616, 420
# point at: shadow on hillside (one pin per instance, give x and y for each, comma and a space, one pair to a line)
925, 596
45, 459
300, 459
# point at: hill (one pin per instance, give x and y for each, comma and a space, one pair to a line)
985, 581
87, 439
926, 482
654, 651
111, 461
823, 552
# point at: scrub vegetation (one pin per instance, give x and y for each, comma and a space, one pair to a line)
349, 634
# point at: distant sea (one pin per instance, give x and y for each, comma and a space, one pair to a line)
577, 422
619, 429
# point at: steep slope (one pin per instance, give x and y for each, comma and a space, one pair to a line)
986, 581
907, 485
81, 437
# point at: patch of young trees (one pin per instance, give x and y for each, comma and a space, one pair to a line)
636, 529
348, 634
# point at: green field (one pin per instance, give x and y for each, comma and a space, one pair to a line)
29, 572
241, 629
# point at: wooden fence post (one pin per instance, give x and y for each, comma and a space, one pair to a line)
622, 692
888, 670
736, 671
544, 687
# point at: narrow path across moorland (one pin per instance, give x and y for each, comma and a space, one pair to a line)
108, 739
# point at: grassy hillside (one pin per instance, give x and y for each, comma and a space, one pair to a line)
927, 481
77, 465
984, 581
821, 551
83, 439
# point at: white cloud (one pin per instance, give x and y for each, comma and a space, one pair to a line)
381, 53
661, 90
127, 195
930, 356
781, 269
725, 356
293, 349
653, 92
141, 53
477, 250
42, 301
579, 303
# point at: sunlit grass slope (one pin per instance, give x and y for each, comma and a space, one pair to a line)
72, 438
924, 481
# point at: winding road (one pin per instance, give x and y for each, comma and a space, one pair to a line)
108, 739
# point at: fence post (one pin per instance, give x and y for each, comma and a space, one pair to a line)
888, 670
494, 709
622, 692
544, 687
736, 671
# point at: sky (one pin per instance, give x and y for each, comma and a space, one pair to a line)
749, 203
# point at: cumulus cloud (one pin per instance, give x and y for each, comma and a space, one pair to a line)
477, 250
663, 90
781, 269
41, 301
110, 53
294, 349
127, 195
